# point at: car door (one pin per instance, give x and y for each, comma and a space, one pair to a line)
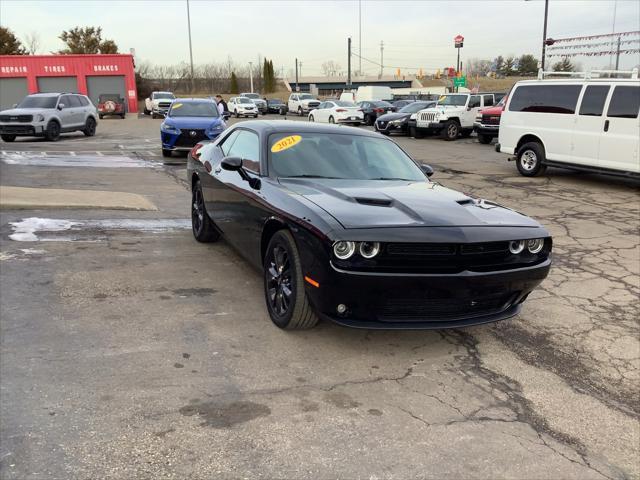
473, 107
66, 112
589, 125
326, 110
620, 142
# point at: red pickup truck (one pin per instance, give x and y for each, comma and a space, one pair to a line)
487, 122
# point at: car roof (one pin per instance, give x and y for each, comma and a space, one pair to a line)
267, 127
50, 94
195, 100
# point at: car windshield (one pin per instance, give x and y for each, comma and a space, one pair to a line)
159, 96
38, 102
306, 97
340, 156
381, 103
251, 95
193, 109
244, 100
416, 107
453, 100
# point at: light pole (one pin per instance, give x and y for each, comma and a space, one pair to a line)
359, 37
251, 75
190, 49
544, 33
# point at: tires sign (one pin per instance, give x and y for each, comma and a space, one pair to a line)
458, 41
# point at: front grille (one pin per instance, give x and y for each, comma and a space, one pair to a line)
428, 117
491, 119
436, 309
420, 249
185, 139
17, 129
382, 125
480, 248
164, 104
16, 118
313, 104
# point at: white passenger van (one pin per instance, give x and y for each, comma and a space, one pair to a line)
589, 123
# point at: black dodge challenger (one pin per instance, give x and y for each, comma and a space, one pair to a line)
346, 226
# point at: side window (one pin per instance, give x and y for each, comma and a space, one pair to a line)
488, 100
83, 101
65, 100
625, 102
246, 146
545, 99
593, 100
227, 143
474, 101
75, 101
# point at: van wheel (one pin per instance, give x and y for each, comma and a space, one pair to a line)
8, 138
451, 130
530, 158
484, 139
53, 131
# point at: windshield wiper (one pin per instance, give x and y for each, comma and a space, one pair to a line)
312, 176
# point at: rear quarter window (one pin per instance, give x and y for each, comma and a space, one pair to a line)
625, 102
545, 99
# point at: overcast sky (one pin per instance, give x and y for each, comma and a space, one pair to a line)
415, 33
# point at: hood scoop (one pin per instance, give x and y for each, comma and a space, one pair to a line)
376, 202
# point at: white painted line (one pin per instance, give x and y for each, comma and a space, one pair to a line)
100, 154
121, 147
73, 154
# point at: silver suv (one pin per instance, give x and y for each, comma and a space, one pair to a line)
48, 115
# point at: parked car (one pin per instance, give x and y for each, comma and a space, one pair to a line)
260, 103
242, 107
302, 103
48, 115
337, 111
452, 116
189, 121
398, 122
158, 104
487, 124
111, 104
587, 123
345, 226
398, 104
274, 105
374, 109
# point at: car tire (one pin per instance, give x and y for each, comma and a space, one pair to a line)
416, 133
451, 130
331, 119
100, 117
255, 116
153, 115
530, 159
123, 116
292, 311
8, 138
311, 119
52, 133
90, 127
368, 120
166, 153
300, 112
201, 224
383, 132
484, 139
236, 114
146, 111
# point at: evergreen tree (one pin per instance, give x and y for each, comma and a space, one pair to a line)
233, 88
563, 65
507, 67
9, 43
527, 65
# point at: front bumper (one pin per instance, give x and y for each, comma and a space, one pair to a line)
183, 141
433, 126
424, 301
486, 129
389, 127
22, 129
248, 113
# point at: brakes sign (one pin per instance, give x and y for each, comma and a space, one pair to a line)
286, 142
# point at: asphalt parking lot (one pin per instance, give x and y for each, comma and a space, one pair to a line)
130, 350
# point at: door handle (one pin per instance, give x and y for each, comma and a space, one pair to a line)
606, 125
217, 171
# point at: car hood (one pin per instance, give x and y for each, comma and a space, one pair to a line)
158, 100
378, 204
491, 111
194, 122
387, 117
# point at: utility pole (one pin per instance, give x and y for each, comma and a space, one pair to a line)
190, 49
349, 63
300, 68
544, 33
613, 30
381, 58
297, 75
618, 54
251, 75
359, 37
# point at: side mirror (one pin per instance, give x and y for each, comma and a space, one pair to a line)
427, 169
60, 106
235, 164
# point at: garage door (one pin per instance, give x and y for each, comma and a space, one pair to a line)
97, 85
57, 84
12, 91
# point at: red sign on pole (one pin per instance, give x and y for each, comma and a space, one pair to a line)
458, 40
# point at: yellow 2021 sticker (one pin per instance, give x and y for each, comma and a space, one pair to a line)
286, 142
176, 105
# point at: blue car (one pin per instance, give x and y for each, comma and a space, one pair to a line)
189, 121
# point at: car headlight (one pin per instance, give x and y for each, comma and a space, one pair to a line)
344, 250
413, 116
398, 122
516, 246
168, 128
369, 249
39, 118
535, 245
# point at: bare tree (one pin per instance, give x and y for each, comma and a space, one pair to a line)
330, 68
32, 42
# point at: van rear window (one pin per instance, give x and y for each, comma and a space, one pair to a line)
625, 102
545, 99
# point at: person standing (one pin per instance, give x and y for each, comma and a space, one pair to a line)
222, 105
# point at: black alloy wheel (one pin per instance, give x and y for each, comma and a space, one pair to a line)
53, 131
279, 292
90, 127
203, 229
